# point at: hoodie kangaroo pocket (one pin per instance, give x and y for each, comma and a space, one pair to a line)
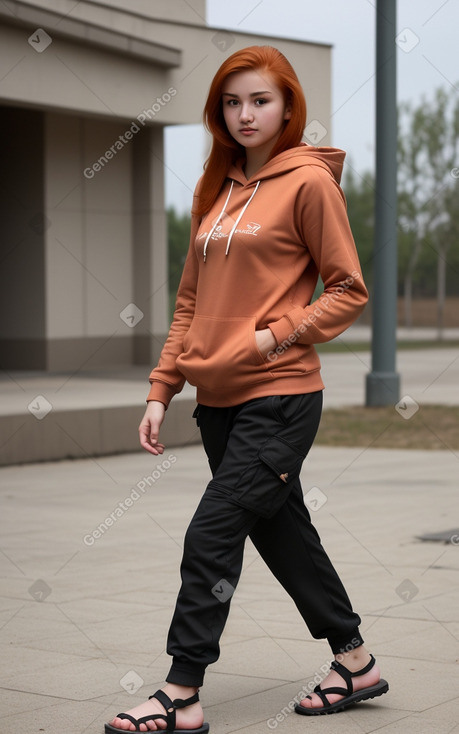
221, 353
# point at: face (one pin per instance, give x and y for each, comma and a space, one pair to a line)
254, 109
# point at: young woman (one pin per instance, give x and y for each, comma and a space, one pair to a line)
268, 218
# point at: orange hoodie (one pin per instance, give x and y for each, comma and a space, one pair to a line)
253, 262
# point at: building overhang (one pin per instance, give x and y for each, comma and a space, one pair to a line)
109, 61
18, 12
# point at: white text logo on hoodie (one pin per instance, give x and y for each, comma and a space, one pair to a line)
224, 227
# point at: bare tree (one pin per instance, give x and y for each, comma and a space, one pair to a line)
427, 156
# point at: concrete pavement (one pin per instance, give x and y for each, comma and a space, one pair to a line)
89, 582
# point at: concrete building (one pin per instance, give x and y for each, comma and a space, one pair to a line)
86, 90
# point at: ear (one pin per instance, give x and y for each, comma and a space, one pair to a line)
288, 112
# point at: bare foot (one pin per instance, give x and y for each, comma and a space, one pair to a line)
353, 661
190, 717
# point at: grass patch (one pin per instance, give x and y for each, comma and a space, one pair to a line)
432, 427
342, 347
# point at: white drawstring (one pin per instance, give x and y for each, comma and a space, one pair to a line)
239, 218
217, 221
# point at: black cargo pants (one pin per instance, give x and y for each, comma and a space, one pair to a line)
255, 452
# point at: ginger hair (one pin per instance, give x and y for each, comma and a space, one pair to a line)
225, 150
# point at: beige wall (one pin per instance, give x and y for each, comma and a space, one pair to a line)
105, 246
88, 245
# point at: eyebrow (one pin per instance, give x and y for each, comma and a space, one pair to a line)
254, 94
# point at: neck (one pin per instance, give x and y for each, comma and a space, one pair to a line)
255, 159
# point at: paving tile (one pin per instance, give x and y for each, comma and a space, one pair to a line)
262, 654
71, 716
448, 710
419, 724
80, 680
16, 702
28, 624
19, 660
437, 642
415, 684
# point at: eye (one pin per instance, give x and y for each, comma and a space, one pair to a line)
260, 101
232, 102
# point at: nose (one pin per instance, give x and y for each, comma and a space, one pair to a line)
245, 114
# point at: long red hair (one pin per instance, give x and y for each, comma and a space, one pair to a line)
225, 150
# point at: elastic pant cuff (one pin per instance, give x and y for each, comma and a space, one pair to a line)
186, 675
340, 645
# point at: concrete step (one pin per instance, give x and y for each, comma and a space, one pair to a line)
47, 417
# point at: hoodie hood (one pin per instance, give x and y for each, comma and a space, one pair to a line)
331, 159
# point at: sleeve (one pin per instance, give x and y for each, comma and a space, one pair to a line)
322, 219
165, 379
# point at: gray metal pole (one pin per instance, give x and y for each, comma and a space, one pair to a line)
383, 383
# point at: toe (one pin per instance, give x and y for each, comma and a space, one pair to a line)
118, 723
312, 702
306, 702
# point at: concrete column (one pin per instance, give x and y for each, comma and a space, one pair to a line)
150, 267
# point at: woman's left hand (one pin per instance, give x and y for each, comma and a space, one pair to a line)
266, 341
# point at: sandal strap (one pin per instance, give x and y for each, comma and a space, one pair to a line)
130, 718
334, 689
322, 695
142, 720
181, 703
169, 716
347, 675
366, 668
151, 717
170, 707
178, 703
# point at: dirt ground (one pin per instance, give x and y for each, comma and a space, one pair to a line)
432, 428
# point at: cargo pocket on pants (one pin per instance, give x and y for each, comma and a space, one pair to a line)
265, 486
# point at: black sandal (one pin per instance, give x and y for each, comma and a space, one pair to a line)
349, 696
168, 717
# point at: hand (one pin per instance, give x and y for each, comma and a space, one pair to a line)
266, 341
149, 427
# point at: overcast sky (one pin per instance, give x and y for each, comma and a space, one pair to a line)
427, 58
